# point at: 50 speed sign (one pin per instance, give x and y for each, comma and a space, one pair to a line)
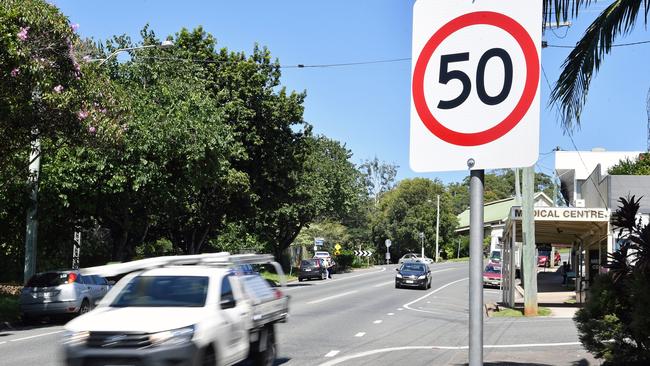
475, 84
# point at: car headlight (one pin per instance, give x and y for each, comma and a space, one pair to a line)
75, 338
422, 277
398, 275
172, 337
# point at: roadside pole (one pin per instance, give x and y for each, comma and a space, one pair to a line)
528, 232
31, 232
476, 266
437, 227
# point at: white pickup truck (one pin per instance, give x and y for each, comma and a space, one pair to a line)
185, 310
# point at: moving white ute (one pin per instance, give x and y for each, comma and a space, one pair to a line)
209, 309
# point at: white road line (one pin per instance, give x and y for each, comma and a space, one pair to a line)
360, 334
332, 297
377, 321
411, 348
332, 353
400, 309
407, 305
390, 314
3, 342
384, 283
35, 336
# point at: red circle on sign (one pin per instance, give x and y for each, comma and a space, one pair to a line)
530, 87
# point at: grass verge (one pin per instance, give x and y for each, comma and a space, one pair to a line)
275, 277
517, 313
9, 309
463, 259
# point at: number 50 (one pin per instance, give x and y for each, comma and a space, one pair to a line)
447, 75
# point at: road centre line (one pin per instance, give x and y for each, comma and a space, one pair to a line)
332, 297
377, 321
35, 336
412, 348
332, 353
390, 314
407, 305
360, 334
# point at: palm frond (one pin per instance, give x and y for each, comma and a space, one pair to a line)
625, 216
618, 264
572, 86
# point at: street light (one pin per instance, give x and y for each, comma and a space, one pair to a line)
164, 44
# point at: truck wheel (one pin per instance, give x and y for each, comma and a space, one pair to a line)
208, 359
266, 357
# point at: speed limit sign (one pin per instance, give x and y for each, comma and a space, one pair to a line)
475, 84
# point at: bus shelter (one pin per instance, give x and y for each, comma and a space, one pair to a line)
586, 231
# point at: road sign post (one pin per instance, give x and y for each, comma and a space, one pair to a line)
476, 268
475, 102
388, 243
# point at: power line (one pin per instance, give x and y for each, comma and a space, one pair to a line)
298, 66
576, 148
614, 45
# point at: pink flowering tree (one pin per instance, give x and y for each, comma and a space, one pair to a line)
42, 85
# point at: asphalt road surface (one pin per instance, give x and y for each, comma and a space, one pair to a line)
360, 318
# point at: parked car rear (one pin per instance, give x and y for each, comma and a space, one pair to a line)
311, 268
60, 293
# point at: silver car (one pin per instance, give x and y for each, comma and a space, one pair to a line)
60, 293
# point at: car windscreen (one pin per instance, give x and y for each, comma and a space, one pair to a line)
495, 254
308, 263
163, 291
48, 279
413, 267
490, 269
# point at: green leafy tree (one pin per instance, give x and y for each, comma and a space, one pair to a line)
410, 208
379, 177
638, 166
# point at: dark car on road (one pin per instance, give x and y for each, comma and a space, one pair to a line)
312, 268
413, 274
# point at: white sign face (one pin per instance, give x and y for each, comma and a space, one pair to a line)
388, 243
564, 214
475, 84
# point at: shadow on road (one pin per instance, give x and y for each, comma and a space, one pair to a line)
582, 362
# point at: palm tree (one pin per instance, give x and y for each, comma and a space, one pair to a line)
617, 20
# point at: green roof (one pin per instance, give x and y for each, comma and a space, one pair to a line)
494, 211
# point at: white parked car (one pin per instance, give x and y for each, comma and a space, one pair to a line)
415, 257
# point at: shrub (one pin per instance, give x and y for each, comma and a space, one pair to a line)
615, 322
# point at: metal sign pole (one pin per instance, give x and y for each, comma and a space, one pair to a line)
476, 267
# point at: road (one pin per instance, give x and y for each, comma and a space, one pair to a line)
360, 318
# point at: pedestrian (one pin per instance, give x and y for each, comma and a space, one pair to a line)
565, 269
330, 269
325, 265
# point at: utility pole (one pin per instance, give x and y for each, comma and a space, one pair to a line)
31, 233
422, 242
517, 187
528, 232
437, 226
458, 251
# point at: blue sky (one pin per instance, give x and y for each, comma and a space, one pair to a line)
367, 106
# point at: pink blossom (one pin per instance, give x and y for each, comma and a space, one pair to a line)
15, 72
86, 58
74, 27
92, 130
103, 110
82, 115
22, 35
58, 89
125, 127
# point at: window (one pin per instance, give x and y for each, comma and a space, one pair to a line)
226, 290
163, 291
